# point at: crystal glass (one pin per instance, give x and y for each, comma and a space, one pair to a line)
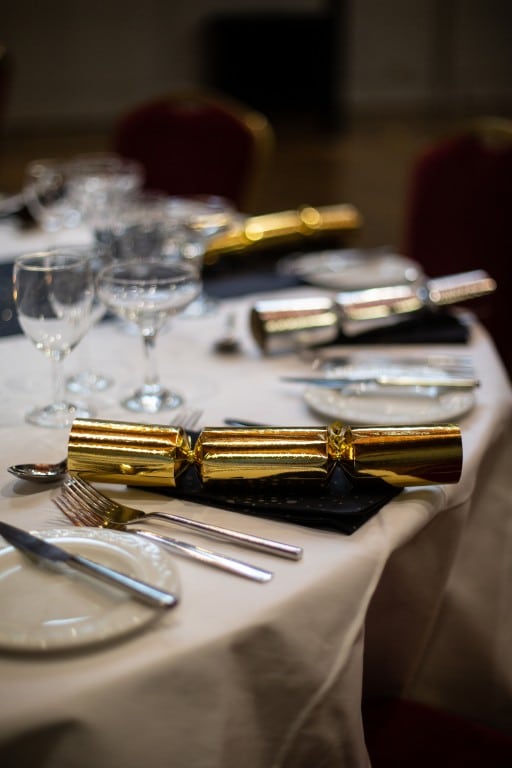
88, 380
143, 227
46, 195
100, 185
197, 220
53, 293
146, 292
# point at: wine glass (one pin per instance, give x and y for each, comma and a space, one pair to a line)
46, 195
88, 380
197, 220
146, 292
53, 293
99, 185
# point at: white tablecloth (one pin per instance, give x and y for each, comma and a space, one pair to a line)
416, 601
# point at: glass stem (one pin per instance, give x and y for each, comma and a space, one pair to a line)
57, 381
151, 379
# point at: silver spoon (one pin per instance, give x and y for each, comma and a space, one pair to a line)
228, 344
40, 473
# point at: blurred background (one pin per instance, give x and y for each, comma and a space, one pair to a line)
354, 89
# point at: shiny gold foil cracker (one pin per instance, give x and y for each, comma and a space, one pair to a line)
131, 454
286, 453
401, 456
154, 455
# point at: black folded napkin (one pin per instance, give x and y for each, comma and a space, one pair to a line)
344, 504
426, 327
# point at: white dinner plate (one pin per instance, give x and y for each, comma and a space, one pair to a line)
43, 610
388, 406
352, 269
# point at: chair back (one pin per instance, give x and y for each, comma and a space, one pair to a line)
459, 212
198, 142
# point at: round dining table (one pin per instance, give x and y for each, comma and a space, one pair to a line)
414, 603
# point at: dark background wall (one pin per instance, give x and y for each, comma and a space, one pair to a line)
80, 62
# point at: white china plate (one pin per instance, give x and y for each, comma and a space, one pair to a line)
372, 404
43, 610
352, 269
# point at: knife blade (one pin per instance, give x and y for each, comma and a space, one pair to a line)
334, 382
42, 551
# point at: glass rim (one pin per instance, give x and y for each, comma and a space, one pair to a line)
184, 271
35, 259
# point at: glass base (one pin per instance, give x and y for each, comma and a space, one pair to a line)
57, 415
152, 402
87, 382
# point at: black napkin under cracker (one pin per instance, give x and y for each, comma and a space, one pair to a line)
344, 504
426, 327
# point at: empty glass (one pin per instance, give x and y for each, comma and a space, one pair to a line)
46, 195
99, 186
88, 380
197, 220
53, 293
146, 292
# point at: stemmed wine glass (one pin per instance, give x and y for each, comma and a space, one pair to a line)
46, 195
100, 184
197, 220
146, 292
53, 293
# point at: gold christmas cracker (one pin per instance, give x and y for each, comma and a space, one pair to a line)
132, 454
155, 455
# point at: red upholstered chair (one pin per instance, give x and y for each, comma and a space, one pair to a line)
197, 142
459, 214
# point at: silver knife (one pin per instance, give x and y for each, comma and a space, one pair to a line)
41, 550
333, 382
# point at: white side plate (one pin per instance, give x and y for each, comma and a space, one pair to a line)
380, 409
43, 610
352, 269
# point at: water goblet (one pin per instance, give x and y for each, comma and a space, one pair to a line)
100, 184
88, 380
146, 292
53, 293
197, 220
47, 196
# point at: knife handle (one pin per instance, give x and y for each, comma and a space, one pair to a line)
206, 556
153, 596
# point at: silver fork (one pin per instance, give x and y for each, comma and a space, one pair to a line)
109, 513
80, 517
186, 418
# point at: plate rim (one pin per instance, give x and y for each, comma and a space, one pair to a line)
287, 267
385, 420
126, 617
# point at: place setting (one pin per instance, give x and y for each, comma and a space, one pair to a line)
97, 586
372, 389
382, 425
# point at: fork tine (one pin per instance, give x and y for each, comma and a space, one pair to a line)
186, 418
76, 518
81, 513
86, 493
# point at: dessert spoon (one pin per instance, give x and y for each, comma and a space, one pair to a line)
40, 473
